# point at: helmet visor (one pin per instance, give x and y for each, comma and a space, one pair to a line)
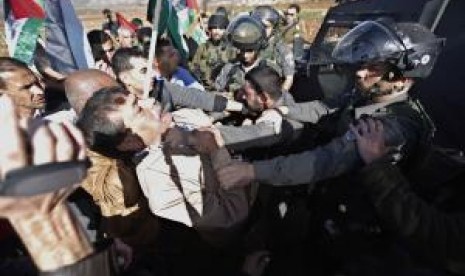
368, 42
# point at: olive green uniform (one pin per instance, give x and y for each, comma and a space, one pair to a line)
280, 54
209, 59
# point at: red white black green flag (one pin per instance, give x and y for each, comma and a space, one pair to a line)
24, 20
56, 23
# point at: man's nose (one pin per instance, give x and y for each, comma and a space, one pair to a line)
148, 103
361, 73
37, 90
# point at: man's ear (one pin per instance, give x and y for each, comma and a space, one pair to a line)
124, 77
265, 97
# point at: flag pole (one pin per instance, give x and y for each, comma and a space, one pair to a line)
153, 44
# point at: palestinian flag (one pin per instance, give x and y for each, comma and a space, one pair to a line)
55, 22
169, 22
188, 12
24, 20
65, 39
123, 22
192, 4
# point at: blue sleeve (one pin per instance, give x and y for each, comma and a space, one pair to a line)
184, 75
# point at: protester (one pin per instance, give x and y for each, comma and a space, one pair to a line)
79, 87
167, 63
23, 86
126, 37
147, 128
109, 26
130, 66
103, 48
217, 170
54, 252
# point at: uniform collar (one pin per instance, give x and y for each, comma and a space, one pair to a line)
372, 108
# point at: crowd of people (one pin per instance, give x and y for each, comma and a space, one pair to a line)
220, 171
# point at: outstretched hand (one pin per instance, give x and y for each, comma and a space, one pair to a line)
369, 135
22, 147
206, 140
49, 230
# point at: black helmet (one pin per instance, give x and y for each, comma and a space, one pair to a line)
410, 47
218, 21
268, 13
246, 33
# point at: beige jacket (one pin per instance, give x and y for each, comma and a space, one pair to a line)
115, 189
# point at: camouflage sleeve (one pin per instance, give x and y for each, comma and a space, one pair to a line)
232, 53
198, 61
285, 59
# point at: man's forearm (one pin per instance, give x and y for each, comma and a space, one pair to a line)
328, 161
220, 158
244, 137
309, 112
53, 238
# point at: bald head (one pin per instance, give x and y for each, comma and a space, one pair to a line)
81, 85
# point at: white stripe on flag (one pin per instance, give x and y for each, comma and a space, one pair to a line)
12, 31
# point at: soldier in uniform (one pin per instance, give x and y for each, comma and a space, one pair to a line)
211, 56
294, 31
390, 58
276, 50
248, 36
